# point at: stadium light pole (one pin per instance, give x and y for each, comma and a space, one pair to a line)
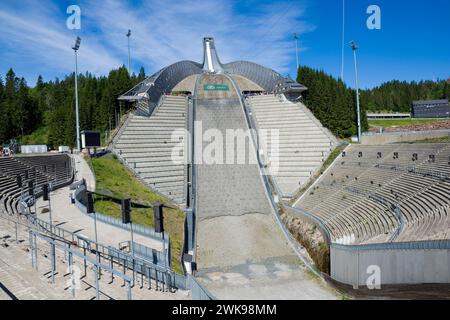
343, 40
129, 51
296, 49
75, 49
358, 110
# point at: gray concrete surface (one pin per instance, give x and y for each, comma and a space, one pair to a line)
398, 266
24, 283
396, 137
241, 251
148, 144
246, 84
186, 85
302, 144
69, 217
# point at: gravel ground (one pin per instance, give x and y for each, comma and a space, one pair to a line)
241, 251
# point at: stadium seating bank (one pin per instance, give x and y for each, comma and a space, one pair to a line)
57, 170
386, 207
379, 207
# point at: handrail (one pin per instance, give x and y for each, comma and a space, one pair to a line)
392, 207
413, 169
395, 210
117, 133
194, 169
409, 245
268, 183
106, 252
313, 219
144, 231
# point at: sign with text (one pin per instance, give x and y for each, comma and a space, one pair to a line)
216, 87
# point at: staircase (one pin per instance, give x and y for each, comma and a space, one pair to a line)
147, 143
303, 143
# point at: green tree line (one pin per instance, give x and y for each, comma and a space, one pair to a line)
51, 105
331, 101
397, 96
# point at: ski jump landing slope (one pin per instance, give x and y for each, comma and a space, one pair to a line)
241, 251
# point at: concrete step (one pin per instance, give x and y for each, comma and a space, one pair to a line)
149, 159
163, 183
156, 120
173, 138
161, 171
146, 145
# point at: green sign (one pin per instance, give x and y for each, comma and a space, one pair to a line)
216, 87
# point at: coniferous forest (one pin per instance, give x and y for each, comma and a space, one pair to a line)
331, 101
396, 96
334, 104
50, 106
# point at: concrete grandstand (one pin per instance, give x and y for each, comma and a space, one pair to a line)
382, 205
240, 249
379, 194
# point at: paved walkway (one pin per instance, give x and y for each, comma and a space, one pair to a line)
69, 217
18, 280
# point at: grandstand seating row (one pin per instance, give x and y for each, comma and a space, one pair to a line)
54, 169
303, 143
147, 144
359, 197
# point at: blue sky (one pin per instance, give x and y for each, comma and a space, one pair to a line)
413, 43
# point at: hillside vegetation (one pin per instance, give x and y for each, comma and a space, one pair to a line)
396, 96
114, 179
49, 107
332, 102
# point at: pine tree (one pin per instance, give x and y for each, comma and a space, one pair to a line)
331, 101
141, 77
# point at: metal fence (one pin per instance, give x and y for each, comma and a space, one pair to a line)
409, 245
138, 229
304, 215
198, 291
153, 255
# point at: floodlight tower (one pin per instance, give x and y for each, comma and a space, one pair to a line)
343, 40
129, 51
296, 49
358, 110
75, 49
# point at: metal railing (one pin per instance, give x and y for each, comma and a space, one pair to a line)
71, 252
271, 186
198, 291
138, 229
150, 254
304, 215
122, 259
409, 245
395, 210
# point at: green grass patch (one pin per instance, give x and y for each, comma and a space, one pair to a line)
115, 179
400, 122
40, 136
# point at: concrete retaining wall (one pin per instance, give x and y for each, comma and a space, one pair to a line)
396, 266
393, 137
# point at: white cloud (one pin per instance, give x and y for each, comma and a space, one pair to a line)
163, 32
168, 31
36, 34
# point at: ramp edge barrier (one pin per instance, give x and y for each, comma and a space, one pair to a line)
270, 186
79, 196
